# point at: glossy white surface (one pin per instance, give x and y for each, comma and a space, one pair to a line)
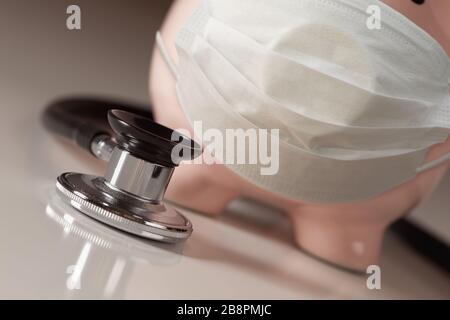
236, 256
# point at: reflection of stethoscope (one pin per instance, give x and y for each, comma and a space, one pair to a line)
101, 236
113, 252
140, 164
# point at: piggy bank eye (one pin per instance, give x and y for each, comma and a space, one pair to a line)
419, 2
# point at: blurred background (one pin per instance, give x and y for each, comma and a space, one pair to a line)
41, 60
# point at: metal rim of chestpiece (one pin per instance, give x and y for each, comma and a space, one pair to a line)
92, 196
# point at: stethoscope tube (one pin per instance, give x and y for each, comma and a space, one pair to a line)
82, 120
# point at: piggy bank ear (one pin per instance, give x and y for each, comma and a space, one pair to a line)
440, 11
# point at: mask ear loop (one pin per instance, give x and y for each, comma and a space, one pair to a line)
434, 163
166, 57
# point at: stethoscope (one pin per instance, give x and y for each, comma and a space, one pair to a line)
141, 161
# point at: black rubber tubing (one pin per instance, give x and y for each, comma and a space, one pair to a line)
82, 119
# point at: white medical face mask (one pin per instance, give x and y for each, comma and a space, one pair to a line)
233, 76
327, 139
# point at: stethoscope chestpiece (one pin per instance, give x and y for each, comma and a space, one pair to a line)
130, 195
